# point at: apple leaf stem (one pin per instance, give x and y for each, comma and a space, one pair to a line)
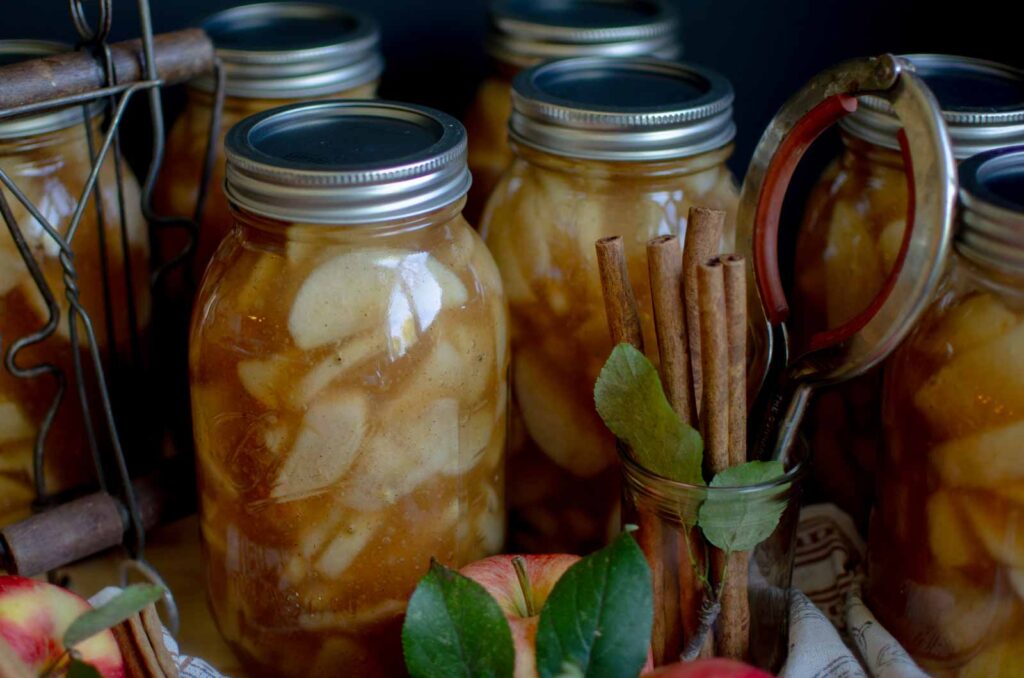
708, 616
519, 564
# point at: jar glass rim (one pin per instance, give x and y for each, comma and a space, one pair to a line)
650, 479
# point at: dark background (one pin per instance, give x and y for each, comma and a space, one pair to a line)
768, 48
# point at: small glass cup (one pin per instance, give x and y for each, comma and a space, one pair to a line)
666, 513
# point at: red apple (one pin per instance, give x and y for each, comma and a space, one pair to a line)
33, 618
708, 668
521, 593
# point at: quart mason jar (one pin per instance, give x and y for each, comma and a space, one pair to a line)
851, 235
603, 147
946, 544
349, 384
273, 54
48, 157
524, 33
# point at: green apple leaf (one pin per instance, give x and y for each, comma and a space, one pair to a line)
79, 669
740, 521
454, 628
630, 399
597, 621
129, 601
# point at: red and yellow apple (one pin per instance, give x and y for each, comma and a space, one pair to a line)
33, 618
708, 668
521, 585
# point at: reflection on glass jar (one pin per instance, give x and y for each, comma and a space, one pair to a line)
851, 236
946, 544
666, 514
570, 186
48, 158
349, 380
524, 33
273, 54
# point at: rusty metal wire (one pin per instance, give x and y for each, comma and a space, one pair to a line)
104, 439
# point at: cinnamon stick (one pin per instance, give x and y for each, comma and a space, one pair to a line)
737, 645
619, 300
665, 268
665, 271
703, 240
714, 365
722, 286
736, 334
624, 327
733, 621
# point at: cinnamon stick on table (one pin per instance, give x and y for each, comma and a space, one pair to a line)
722, 285
704, 228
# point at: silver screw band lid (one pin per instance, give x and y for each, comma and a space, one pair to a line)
992, 210
15, 51
346, 162
526, 32
631, 110
286, 50
982, 104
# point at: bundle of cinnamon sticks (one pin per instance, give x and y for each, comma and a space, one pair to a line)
699, 303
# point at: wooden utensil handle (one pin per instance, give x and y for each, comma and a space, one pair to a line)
180, 56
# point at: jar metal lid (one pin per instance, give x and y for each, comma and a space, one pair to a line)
982, 103
992, 209
526, 32
630, 110
346, 162
15, 51
292, 50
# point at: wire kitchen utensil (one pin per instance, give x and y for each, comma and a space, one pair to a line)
783, 383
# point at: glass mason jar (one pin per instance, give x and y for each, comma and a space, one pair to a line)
851, 236
273, 54
48, 158
582, 172
666, 515
524, 33
946, 545
349, 384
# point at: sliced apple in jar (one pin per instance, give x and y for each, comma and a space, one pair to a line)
331, 434
982, 460
977, 390
970, 323
999, 525
420, 441
562, 426
359, 290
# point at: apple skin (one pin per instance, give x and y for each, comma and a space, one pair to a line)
33, 618
708, 668
497, 575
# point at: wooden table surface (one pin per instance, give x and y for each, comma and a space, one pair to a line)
174, 551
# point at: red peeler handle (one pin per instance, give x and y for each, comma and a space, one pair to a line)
773, 192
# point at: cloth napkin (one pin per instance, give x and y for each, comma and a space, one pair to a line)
832, 634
